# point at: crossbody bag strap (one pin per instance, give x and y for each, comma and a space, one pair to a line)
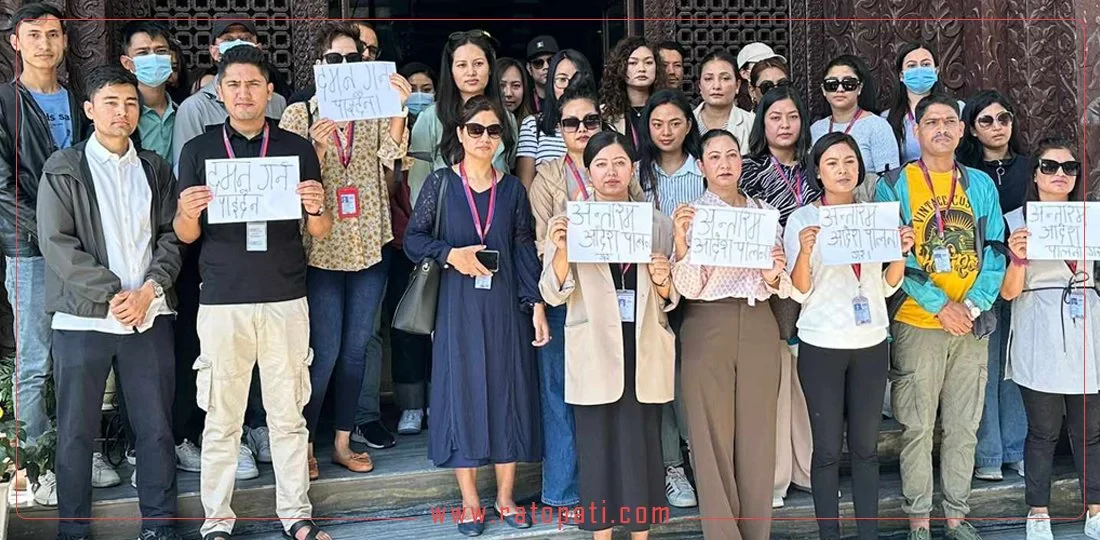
440, 201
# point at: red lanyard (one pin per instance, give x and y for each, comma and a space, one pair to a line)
577, 175
624, 268
344, 151
481, 233
263, 147
1072, 266
857, 268
850, 124
941, 214
796, 187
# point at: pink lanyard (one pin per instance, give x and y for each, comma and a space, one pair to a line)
796, 187
481, 233
342, 151
577, 175
941, 214
850, 124
263, 147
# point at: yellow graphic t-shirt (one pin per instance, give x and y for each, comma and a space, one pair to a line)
958, 238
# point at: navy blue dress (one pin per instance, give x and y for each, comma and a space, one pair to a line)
484, 393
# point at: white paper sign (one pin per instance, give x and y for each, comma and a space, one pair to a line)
737, 237
253, 189
1063, 231
859, 233
609, 232
356, 91
1013, 220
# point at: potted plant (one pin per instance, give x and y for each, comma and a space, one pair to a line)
15, 453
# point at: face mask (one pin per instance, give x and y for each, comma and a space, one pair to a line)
226, 45
418, 101
153, 69
919, 80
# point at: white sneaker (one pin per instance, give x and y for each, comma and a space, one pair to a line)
677, 488
45, 494
1092, 526
131, 457
411, 420
20, 498
246, 464
260, 443
188, 457
103, 475
1017, 466
777, 501
1038, 527
133, 479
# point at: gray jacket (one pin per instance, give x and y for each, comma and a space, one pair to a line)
78, 278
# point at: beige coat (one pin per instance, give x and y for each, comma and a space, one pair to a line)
593, 330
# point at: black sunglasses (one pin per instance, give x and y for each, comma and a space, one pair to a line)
538, 63
1003, 118
591, 123
766, 86
849, 84
1069, 168
337, 58
372, 51
477, 130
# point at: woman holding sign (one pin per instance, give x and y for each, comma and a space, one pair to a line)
842, 330
729, 339
619, 356
1053, 350
484, 393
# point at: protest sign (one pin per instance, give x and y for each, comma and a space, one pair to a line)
356, 91
737, 237
859, 233
1063, 231
609, 232
253, 189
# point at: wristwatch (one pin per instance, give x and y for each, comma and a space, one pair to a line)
974, 311
158, 291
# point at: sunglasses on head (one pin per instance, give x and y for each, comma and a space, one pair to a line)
571, 124
766, 86
1069, 168
337, 58
849, 84
477, 130
1003, 118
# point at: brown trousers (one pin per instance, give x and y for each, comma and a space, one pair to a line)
730, 386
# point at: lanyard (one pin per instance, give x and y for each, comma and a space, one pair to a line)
859, 112
344, 151
857, 268
1072, 267
263, 147
796, 187
577, 175
481, 233
624, 268
941, 214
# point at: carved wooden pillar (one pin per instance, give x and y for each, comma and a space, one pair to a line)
87, 38
1088, 12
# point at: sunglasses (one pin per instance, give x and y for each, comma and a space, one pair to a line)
337, 58
477, 130
766, 86
571, 124
849, 84
1003, 118
539, 63
371, 51
1069, 168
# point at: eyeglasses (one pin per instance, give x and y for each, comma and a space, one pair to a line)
476, 130
337, 58
766, 86
538, 63
1069, 168
1003, 118
571, 124
849, 84
561, 82
372, 51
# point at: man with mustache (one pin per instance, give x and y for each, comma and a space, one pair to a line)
942, 326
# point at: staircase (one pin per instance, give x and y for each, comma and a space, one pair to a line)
396, 501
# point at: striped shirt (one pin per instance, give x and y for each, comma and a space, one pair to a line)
760, 179
533, 143
681, 187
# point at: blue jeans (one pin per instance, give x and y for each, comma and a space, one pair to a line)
340, 304
1003, 428
559, 462
368, 407
25, 280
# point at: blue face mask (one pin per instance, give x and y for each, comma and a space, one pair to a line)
226, 45
153, 69
919, 80
418, 101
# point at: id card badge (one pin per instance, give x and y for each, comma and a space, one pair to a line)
347, 199
626, 304
256, 237
862, 309
941, 259
483, 282
1076, 305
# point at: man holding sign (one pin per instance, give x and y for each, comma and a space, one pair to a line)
253, 300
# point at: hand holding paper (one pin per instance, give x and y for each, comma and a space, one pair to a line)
313, 196
194, 200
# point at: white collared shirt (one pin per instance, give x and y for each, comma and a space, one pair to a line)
124, 199
739, 124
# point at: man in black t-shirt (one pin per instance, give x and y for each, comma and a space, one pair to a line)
252, 304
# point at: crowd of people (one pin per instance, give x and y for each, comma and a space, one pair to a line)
618, 378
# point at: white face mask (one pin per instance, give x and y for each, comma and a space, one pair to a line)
226, 45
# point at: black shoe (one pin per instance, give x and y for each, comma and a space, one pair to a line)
374, 435
512, 520
159, 533
63, 536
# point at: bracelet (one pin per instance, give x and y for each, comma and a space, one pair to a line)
319, 213
667, 280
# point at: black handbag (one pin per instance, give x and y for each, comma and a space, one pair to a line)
415, 313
